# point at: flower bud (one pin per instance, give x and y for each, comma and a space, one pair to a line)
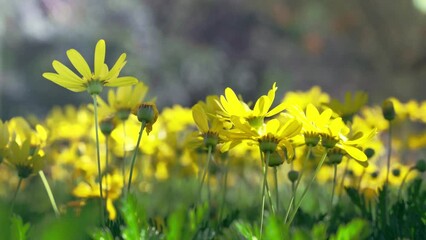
107, 125
388, 110
369, 152
335, 156
293, 175
275, 159
396, 172
123, 114
147, 113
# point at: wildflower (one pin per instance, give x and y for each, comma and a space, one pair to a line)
271, 136
302, 99
230, 106
210, 129
23, 160
350, 106
89, 189
388, 110
88, 80
147, 114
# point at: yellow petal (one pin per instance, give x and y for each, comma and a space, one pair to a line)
63, 70
115, 70
79, 63
200, 118
112, 213
354, 152
64, 82
262, 106
281, 107
99, 57
121, 81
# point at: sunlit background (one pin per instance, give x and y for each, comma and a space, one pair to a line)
187, 49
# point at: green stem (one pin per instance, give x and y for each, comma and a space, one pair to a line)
307, 188
293, 198
49, 192
342, 182
333, 188
385, 189
106, 167
206, 168
403, 182
360, 179
225, 187
134, 156
389, 153
265, 173
95, 106
12, 203
277, 195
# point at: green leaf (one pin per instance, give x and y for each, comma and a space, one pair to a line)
355, 229
18, 229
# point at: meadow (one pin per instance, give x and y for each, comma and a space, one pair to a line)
300, 166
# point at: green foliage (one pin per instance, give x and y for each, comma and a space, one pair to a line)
18, 229
355, 229
102, 234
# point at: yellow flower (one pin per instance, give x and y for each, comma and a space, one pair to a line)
301, 99
210, 129
88, 80
112, 189
231, 106
122, 101
25, 162
271, 136
350, 106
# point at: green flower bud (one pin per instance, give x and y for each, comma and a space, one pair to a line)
375, 174
396, 172
106, 126
293, 175
335, 156
388, 110
421, 165
123, 114
275, 159
369, 152
147, 113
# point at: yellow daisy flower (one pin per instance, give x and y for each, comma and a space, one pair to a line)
86, 79
230, 106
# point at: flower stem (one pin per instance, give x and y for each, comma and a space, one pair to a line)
307, 188
403, 182
293, 198
265, 173
333, 188
225, 186
389, 153
134, 156
95, 106
385, 188
106, 167
49, 192
12, 203
206, 168
277, 195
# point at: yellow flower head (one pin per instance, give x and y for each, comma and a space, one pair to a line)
210, 128
85, 79
350, 106
25, 162
231, 106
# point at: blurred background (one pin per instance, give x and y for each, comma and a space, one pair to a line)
185, 50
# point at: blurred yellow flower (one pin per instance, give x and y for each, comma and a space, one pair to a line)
88, 80
301, 99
